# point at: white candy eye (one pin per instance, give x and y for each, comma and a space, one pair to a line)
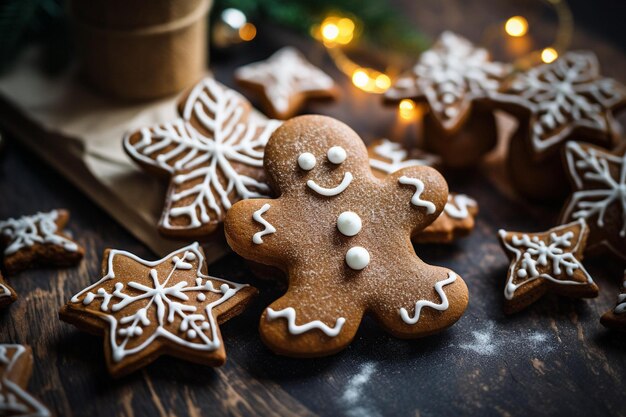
306, 161
337, 155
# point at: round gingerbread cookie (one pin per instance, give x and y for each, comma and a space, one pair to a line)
344, 238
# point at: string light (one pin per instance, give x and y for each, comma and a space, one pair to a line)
407, 109
516, 26
336, 32
549, 55
247, 32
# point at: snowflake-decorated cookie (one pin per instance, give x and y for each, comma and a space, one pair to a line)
213, 155
343, 238
7, 294
149, 308
449, 77
599, 181
38, 240
457, 218
16, 364
616, 317
565, 99
546, 262
285, 81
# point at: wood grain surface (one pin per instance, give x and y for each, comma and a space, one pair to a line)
551, 359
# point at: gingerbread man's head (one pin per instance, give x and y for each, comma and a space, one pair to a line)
343, 237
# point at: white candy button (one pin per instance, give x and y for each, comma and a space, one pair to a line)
337, 155
349, 223
306, 161
357, 258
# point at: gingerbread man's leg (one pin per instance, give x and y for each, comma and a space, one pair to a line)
420, 301
303, 323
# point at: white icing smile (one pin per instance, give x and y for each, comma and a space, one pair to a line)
330, 192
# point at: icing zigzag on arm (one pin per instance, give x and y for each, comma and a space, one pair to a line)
416, 200
443, 306
289, 314
269, 229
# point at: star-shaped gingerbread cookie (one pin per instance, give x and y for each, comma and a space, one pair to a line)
7, 294
616, 318
16, 365
457, 218
546, 262
599, 181
450, 77
149, 308
565, 99
38, 240
212, 154
285, 81
343, 238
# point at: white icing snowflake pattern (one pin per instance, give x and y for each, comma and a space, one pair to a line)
396, 157
563, 96
533, 253
451, 75
181, 310
14, 401
40, 228
285, 74
202, 151
600, 182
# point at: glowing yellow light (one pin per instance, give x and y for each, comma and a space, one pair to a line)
407, 109
360, 78
516, 26
330, 31
335, 30
549, 55
247, 32
382, 82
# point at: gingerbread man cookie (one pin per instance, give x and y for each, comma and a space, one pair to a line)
565, 100
457, 218
16, 365
454, 79
212, 154
286, 80
146, 309
599, 181
38, 240
616, 318
343, 238
546, 262
7, 294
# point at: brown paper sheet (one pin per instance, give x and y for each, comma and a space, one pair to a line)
79, 134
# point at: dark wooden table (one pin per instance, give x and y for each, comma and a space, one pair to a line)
554, 358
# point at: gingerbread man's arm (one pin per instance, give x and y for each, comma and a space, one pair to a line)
418, 195
253, 230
